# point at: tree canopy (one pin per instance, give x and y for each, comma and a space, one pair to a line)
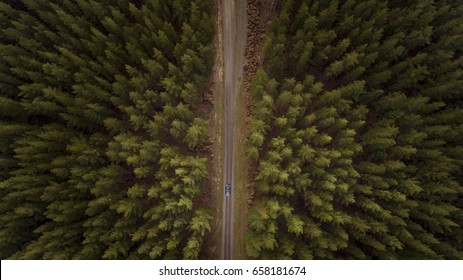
356, 129
98, 128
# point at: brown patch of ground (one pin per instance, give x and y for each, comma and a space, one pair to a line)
259, 14
212, 108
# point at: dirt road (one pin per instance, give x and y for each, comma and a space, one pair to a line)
233, 49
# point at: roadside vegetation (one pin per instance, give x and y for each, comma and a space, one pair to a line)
101, 153
355, 129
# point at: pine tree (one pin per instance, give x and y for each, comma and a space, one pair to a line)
369, 128
89, 96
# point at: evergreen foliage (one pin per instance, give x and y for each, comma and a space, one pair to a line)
98, 131
356, 131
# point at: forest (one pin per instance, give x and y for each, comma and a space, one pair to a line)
99, 133
354, 135
356, 132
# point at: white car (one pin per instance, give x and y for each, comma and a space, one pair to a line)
227, 189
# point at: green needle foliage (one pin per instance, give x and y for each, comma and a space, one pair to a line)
356, 128
97, 130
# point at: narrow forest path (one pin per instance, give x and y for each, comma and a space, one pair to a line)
233, 50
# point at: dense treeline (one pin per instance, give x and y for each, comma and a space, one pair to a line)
98, 130
356, 132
